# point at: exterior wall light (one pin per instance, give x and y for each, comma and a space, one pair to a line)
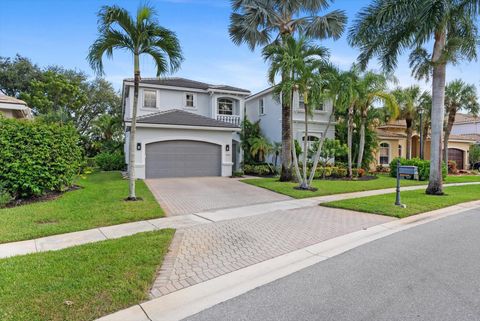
139, 146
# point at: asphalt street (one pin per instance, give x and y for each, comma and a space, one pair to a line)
430, 272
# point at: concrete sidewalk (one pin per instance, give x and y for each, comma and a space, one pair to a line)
61, 241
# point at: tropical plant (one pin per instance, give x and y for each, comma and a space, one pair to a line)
139, 35
331, 148
302, 60
425, 118
262, 22
474, 154
261, 147
248, 132
372, 90
410, 102
276, 150
458, 96
386, 28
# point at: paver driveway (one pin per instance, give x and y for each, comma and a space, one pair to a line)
178, 196
203, 252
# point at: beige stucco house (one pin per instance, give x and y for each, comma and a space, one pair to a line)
11, 107
392, 142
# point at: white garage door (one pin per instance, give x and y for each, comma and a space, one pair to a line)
183, 158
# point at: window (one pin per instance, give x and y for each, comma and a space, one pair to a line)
320, 107
225, 106
384, 154
150, 98
189, 100
399, 150
310, 141
261, 107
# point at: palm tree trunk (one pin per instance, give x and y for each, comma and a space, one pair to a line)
435, 184
349, 139
305, 151
424, 138
361, 147
319, 150
409, 139
286, 172
133, 130
448, 130
293, 149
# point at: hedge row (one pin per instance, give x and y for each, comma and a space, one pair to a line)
423, 167
36, 157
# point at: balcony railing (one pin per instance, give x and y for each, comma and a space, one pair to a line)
232, 119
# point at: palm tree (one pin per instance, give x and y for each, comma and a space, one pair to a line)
372, 89
425, 119
386, 28
140, 35
262, 22
458, 96
276, 150
301, 60
260, 146
409, 101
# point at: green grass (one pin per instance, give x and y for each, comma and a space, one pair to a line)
416, 201
329, 187
99, 203
97, 278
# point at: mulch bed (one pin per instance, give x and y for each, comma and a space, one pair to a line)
46, 197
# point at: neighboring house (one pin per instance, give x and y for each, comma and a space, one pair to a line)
392, 143
11, 107
184, 127
264, 107
467, 125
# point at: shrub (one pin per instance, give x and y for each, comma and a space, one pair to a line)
237, 173
423, 167
107, 161
360, 172
258, 169
37, 157
5, 196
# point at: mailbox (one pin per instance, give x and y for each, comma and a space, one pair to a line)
408, 172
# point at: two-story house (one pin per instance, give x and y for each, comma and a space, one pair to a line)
265, 107
467, 125
184, 127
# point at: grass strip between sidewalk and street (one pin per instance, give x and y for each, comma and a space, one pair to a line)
416, 201
330, 187
100, 202
83, 282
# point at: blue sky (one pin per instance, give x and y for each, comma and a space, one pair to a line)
61, 31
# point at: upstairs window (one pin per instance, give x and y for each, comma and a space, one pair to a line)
301, 102
261, 107
320, 107
384, 154
225, 106
189, 100
150, 98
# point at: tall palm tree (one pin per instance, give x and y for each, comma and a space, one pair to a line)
138, 35
372, 89
409, 102
458, 96
262, 22
425, 119
386, 28
301, 60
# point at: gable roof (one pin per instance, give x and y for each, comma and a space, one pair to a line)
188, 83
182, 118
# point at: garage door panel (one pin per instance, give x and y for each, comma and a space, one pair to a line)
456, 155
182, 158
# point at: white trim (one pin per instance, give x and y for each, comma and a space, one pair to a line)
194, 107
128, 123
260, 93
230, 92
208, 90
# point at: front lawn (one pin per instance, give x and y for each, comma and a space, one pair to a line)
83, 282
100, 202
416, 201
329, 187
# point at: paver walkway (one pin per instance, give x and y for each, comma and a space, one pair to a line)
200, 253
179, 196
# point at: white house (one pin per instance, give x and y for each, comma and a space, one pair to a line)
184, 127
11, 107
264, 107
